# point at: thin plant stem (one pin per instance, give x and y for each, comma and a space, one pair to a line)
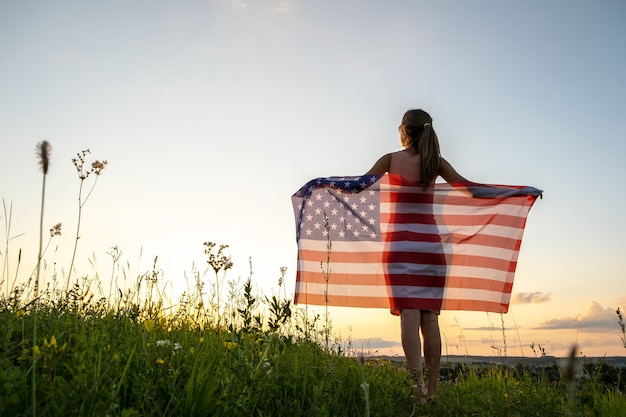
43, 152
43, 192
96, 168
8, 238
329, 246
36, 294
80, 210
622, 325
7, 226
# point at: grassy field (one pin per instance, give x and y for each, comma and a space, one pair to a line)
74, 349
245, 356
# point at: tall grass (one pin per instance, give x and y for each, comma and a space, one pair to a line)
131, 352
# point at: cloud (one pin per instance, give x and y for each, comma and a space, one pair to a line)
374, 343
283, 6
276, 6
536, 297
594, 318
238, 4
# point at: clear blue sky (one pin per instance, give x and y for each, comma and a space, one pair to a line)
212, 113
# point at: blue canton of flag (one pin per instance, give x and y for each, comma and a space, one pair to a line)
346, 208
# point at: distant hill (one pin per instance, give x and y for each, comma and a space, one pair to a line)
512, 361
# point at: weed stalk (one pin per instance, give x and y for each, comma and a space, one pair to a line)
326, 272
43, 152
83, 174
620, 321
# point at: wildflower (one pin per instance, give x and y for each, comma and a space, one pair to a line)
43, 152
159, 361
20, 313
218, 261
162, 322
177, 346
230, 345
24, 355
98, 166
79, 162
55, 230
36, 351
160, 343
51, 344
192, 350
201, 340
149, 324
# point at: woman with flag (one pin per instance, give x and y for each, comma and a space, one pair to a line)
420, 161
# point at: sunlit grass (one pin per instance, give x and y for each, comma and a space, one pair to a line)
263, 357
223, 349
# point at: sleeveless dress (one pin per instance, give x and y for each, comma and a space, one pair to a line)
415, 275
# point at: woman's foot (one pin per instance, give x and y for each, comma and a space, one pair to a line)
420, 393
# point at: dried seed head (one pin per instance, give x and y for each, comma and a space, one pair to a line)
98, 166
43, 153
55, 230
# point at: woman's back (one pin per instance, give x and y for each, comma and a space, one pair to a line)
407, 165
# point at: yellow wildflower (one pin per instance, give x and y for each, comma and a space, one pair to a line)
230, 345
37, 351
24, 355
149, 324
20, 313
159, 361
163, 322
202, 340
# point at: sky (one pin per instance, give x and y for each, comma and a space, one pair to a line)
211, 114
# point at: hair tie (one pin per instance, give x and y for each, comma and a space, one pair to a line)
426, 124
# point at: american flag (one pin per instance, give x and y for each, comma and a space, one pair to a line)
381, 241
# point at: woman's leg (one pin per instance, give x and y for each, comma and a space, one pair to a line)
432, 349
410, 334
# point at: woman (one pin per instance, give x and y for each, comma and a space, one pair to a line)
420, 161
